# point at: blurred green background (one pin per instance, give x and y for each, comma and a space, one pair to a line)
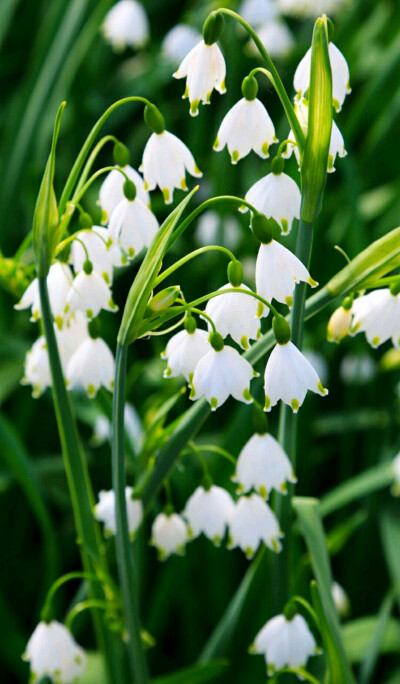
52, 51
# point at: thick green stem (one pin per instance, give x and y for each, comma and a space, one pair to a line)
125, 560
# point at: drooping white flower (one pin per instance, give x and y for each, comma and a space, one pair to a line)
165, 161
103, 255
37, 368
213, 229
53, 652
132, 425
263, 465
133, 226
340, 599
276, 37
236, 314
104, 511
91, 367
378, 315
204, 69
285, 643
111, 191
126, 24
221, 373
277, 272
258, 12
288, 376
179, 41
339, 324
247, 126
357, 369
209, 511
340, 76
319, 362
89, 293
251, 523
169, 535
183, 352
59, 281
278, 197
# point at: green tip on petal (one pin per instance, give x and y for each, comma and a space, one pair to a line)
183, 184
276, 545
312, 282
289, 301
244, 342
375, 341
321, 388
285, 226
249, 552
267, 405
194, 107
260, 310
166, 194
91, 391
216, 144
295, 405
283, 488
265, 149
235, 157
213, 403
336, 104
263, 491
89, 313
247, 396
216, 540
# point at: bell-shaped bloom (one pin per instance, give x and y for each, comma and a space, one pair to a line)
126, 24
277, 272
340, 76
91, 367
111, 191
263, 465
339, 325
89, 293
204, 69
53, 652
183, 352
285, 643
236, 314
103, 255
133, 226
247, 126
378, 315
253, 522
178, 42
104, 511
221, 373
336, 147
209, 511
169, 535
288, 376
340, 599
278, 197
59, 282
165, 162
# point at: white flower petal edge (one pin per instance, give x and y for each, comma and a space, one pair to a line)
104, 511
378, 315
89, 293
288, 376
183, 352
91, 366
209, 511
53, 652
285, 643
236, 314
277, 196
169, 535
59, 282
263, 465
133, 226
111, 191
247, 126
340, 76
125, 24
251, 523
204, 69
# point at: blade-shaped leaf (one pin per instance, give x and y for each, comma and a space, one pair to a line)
194, 675
358, 634
369, 481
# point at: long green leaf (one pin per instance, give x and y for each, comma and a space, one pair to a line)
195, 675
358, 635
390, 537
369, 481
373, 649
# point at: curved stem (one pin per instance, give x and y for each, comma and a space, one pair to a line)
92, 158
211, 448
46, 610
193, 255
79, 194
206, 316
125, 560
85, 605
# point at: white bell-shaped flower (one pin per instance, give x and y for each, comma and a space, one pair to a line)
126, 24
37, 368
277, 272
179, 41
277, 196
89, 293
263, 466
103, 255
53, 652
247, 126
221, 373
339, 324
209, 511
183, 352
340, 76
378, 315
288, 376
340, 599
204, 69
59, 282
91, 367
165, 162
111, 191
104, 511
236, 314
253, 522
285, 643
169, 534
133, 226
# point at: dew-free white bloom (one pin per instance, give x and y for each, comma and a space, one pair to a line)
251, 523
277, 272
59, 281
91, 367
288, 376
278, 197
213, 229
169, 535
105, 512
204, 69
235, 314
165, 162
179, 41
37, 368
221, 373
263, 465
103, 255
285, 643
133, 226
339, 324
111, 191
183, 352
247, 126
340, 599
126, 24
378, 315
319, 363
209, 511
89, 293
53, 652
340, 76
396, 473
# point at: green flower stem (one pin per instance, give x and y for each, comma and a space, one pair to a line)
85, 605
92, 158
80, 488
125, 560
206, 316
46, 611
193, 255
79, 194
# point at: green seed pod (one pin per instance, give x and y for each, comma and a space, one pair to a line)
277, 166
347, 303
154, 119
121, 154
235, 273
249, 88
262, 228
395, 288
87, 267
216, 341
164, 299
290, 610
129, 190
190, 324
281, 329
213, 28
85, 220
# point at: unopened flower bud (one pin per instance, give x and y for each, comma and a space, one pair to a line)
88, 267
262, 228
281, 329
250, 88
190, 324
290, 610
216, 341
121, 154
164, 299
235, 273
213, 28
339, 324
277, 166
94, 328
154, 119
129, 189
